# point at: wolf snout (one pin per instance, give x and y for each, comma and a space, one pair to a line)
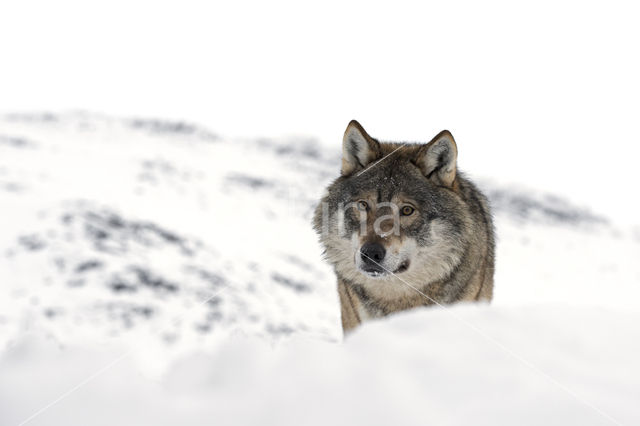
372, 254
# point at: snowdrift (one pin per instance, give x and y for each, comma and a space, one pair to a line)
465, 365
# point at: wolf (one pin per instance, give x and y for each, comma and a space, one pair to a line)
403, 228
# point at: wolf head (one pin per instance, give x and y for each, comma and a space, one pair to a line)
394, 216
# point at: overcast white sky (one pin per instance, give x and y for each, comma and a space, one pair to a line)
546, 95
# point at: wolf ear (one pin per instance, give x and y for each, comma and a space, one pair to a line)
358, 149
437, 159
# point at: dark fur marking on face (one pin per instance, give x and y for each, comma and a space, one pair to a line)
360, 291
367, 300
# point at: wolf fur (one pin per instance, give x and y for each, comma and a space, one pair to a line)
403, 228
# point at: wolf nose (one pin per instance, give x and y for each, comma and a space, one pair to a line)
372, 253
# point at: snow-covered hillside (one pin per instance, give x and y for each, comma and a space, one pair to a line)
167, 242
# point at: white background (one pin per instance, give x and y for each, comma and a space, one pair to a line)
545, 94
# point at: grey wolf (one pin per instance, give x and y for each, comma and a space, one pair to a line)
403, 228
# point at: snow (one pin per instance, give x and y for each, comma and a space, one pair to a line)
173, 274
541, 365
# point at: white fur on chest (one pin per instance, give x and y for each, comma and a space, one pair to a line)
363, 313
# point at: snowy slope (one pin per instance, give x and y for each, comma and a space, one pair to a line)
114, 225
162, 239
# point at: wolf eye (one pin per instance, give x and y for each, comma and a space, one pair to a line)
363, 205
407, 211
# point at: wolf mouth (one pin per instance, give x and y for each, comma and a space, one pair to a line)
378, 271
374, 273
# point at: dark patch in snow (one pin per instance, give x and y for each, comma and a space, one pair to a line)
301, 264
211, 318
214, 302
148, 279
120, 286
163, 126
145, 311
12, 187
128, 313
51, 313
60, 263
88, 266
304, 156
280, 329
252, 182
295, 260
215, 315
32, 242
77, 282
298, 286
15, 141
42, 117
547, 208
170, 127
136, 277
159, 166
161, 173
111, 233
300, 147
212, 278
203, 328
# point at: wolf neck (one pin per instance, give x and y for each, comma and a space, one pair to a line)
375, 306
